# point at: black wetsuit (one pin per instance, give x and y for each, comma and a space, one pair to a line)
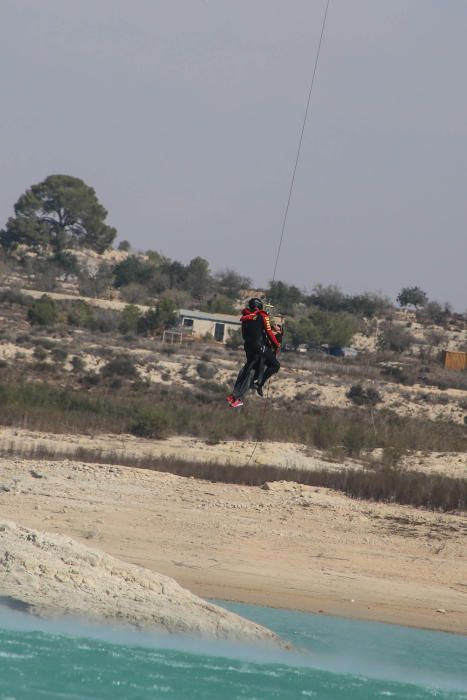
260, 344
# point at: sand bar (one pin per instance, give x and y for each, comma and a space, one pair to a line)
289, 546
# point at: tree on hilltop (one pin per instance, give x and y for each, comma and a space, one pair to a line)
198, 279
231, 283
412, 296
58, 213
284, 296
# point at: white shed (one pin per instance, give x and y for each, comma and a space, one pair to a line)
200, 323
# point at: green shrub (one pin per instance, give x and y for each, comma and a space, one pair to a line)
284, 296
323, 434
150, 423
129, 319
149, 322
122, 366
412, 296
43, 312
161, 316
356, 438
66, 262
80, 314
133, 269
219, 304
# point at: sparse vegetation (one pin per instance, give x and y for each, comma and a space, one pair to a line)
206, 370
150, 423
39, 353
394, 337
122, 366
109, 386
361, 396
45, 407
387, 484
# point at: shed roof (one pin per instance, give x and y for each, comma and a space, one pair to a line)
207, 316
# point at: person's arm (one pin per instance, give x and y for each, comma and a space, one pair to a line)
268, 330
278, 332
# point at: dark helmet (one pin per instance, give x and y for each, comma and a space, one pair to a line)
255, 303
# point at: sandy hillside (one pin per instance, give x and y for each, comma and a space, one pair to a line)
324, 386
192, 449
286, 545
235, 452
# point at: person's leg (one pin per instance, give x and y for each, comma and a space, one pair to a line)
242, 382
272, 365
246, 374
260, 368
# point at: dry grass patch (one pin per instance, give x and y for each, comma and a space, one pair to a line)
435, 492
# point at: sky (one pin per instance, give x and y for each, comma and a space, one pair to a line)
185, 116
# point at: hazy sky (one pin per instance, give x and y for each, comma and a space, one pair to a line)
184, 115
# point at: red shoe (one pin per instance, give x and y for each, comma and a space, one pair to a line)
230, 399
236, 404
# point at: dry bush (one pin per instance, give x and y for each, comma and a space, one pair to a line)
393, 336
135, 293
436, 338
151, 423
23, 339
77, 363
435, 492
106, 320
40, 353
14, 297
45, 343
121, 366
198, 412
206, 370
90, 379
406, 374
447, 379
356, 439
362, 396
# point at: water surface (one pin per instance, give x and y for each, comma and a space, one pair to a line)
338, 659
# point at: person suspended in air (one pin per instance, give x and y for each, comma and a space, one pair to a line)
261, 343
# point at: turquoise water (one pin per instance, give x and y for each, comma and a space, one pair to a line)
338, 659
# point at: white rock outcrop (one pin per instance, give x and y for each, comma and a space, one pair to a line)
53, 575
